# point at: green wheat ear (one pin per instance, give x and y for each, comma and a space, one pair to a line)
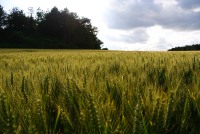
7, 116
23, 88
11, 79
56, 121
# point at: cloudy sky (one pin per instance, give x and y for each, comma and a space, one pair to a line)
132, 24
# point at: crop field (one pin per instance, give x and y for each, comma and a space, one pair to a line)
106, 92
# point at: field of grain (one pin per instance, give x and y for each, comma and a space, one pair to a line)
62, 91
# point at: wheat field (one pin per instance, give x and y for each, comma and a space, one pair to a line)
106, 92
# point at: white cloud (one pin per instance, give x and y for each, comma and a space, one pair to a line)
165, 24
164, 39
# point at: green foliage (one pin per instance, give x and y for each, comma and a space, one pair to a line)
17, 38
194, 47
16, 20
2, 17
59, 91
67, 28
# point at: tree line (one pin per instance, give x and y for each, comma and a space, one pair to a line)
195, 47
48, 29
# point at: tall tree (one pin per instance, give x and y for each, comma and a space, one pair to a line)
31, 27
2, 17
16, 20
40, 15
85, 36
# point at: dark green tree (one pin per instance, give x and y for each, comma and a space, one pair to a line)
2, 23
32, 25
40, 16
69, 21
52, 23
75, 32
16, 20
195, 47
2, 17
85, 35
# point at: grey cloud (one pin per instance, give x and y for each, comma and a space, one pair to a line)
131, 14
178, 19
137, 36
146, 13
189, 4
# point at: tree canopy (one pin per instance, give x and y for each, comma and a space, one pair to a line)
2, 17
49, 29
195, 47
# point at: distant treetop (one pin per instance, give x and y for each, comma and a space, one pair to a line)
195, 47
